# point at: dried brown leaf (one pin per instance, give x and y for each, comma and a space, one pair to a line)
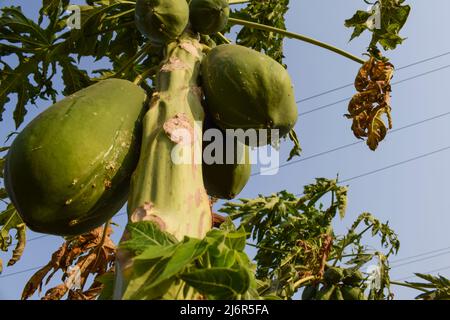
79, 257
372, 102
35, 281
20, 246
56, 293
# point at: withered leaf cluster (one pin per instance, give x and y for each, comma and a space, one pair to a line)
92, 253
372, 101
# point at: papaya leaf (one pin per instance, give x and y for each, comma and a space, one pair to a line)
185, 254
107, 32
9, 220
74, 78
219, 283
385, 21
91, 253
269, 12
436, 288
236, 240
144, 234
107, 280
144, 273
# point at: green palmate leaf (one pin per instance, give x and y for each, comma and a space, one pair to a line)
10, 220
15, 81
107, 31
74, 78
219, 283
107, 280
269, 12
144, 234
384, 20
144, 272
436, 288
176, 258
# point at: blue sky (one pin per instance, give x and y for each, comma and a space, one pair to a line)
412, 197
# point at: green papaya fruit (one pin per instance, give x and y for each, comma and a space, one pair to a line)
309, 292
209, 16
337, 294
333, 275
352, 293
224, 180
352, 277
326, 292
69, 170
161, 21
249, 90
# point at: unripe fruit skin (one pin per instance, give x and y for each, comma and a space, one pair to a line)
352, 293
161, 21
226, 181
69, 170
352, 277
249, 90
333, 275
309, 293
209, 16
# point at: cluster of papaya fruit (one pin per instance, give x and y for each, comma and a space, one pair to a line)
339, 284
69, 170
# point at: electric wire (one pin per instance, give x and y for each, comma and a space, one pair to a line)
351, 84
394, 83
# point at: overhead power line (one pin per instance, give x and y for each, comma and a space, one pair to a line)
391, 166
351, 84
345, 146
396, 164
19, 272
426, 272
420, 255
394, 83
421, 259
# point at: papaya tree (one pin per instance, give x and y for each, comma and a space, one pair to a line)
134, 134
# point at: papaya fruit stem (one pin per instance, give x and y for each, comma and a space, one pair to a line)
224, 39
296, 36
237, 1
144, 75
302, 281
407, 285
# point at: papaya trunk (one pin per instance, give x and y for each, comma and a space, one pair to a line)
167, 185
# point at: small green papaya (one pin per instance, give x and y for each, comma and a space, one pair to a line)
352, 277
69, 170
326, 292
209, 16
352, 293
337, 294
161, 21
309, 292
249, 90
333, 275
224, 180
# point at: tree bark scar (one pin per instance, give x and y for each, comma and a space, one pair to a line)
197, 91
173, 64
191, 48
147, 213
179, 129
